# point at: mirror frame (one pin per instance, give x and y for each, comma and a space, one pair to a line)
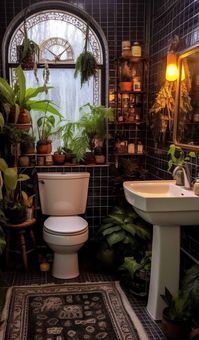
181, 56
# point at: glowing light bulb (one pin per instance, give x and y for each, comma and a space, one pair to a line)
171, 70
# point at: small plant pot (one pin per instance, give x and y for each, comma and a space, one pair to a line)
175, 330
24, 117
125, 86
24, 161
28, 148
99, 159
58, 159
43, 148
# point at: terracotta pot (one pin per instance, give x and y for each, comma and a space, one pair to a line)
44, 148
58, 159
28, 148
24, 117
125, 86
174, 330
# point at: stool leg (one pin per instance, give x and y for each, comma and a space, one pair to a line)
7, 248
23, 250
32, 235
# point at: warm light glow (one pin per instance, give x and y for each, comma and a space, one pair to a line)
171, 70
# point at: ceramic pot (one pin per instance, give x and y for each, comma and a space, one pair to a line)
58, 159
24, 117
24, 161
174, 330
44, 148
125, 86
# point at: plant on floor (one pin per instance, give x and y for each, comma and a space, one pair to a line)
176, 318
136, 273
122, 233
190, 286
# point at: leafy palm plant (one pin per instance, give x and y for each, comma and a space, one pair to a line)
18, 96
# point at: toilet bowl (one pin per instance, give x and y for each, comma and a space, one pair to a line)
63, 196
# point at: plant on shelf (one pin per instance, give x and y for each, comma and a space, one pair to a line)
122, 233
18, 100
46, 129
59, 156
12, 202
28, 201
176, 319
86, 64
92, 122
125, 77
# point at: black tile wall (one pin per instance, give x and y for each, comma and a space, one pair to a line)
170, 17
120, 20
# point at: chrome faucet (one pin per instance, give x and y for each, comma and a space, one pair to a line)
182, 176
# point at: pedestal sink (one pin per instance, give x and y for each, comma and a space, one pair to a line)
167, 206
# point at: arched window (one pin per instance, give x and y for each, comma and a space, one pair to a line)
60, 35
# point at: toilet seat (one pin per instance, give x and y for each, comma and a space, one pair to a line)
65, 225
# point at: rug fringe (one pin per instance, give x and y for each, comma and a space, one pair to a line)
140, 329
5, 313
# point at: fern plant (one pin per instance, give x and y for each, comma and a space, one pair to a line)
86, 64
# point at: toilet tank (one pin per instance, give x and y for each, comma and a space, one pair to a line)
63, 193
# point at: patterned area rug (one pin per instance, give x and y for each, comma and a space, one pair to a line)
75, 311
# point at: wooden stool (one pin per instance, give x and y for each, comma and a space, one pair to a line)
20, 229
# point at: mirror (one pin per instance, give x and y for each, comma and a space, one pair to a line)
186, 122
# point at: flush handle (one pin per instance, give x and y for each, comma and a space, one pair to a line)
41, 181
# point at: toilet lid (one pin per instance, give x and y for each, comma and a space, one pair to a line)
65, 225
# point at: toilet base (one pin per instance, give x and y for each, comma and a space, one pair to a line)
65, 266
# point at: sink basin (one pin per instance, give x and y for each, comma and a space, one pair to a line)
167, 206
163, 202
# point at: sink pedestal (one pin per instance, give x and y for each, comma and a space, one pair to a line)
164, 267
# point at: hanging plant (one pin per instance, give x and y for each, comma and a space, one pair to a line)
28, 51
86, 64
162, 111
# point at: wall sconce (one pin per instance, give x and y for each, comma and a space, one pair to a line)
171, 69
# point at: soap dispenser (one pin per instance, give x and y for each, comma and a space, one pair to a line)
196, 186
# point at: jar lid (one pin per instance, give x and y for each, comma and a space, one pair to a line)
126, 43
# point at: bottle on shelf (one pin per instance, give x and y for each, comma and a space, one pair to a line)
131, 148
140, 147
136, 49
126, 49
137, 84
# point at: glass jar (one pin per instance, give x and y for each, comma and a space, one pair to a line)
136, 50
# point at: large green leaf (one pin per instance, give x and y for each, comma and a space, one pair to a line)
22, 177
43, 106
10, 178
32, 92
21, 80
111, 230
104, 227
191, 283
2, 122
6, 92
115, 237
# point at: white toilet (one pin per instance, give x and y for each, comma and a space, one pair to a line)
63, 196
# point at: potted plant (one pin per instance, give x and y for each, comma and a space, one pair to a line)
190, 286
28, 51
86, 64
18, 100
176, 316
59, 156
92, 123
121, 234
138, 273
45, 126
12, 202
28, 201
162, 111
